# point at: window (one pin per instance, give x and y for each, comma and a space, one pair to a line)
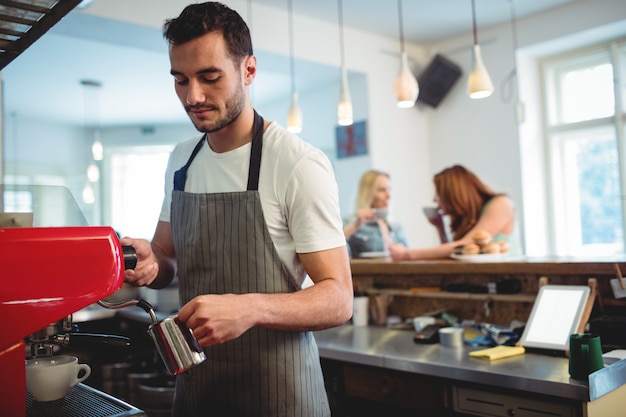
137, 176
586, 149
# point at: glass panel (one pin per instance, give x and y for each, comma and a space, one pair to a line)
52, 206
586, 93
592, 210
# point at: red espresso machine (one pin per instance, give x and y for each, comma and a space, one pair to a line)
47, 274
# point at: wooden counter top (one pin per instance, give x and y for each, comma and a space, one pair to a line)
527, 265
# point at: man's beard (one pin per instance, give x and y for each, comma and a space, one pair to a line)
234, 106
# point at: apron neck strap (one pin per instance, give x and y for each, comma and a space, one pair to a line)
180, 176
255, 153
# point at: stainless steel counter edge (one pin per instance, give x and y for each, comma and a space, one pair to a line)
395, 349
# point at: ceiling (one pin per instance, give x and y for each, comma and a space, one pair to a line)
131, 61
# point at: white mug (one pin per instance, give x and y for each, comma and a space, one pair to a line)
380, 213
49, 378
360, 311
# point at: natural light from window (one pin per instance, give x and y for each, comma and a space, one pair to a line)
137, 189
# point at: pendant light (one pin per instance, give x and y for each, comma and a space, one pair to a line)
344, 110
97, 150
406, 87
479, 83
294, 117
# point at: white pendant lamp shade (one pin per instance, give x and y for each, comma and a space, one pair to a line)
93, 173
89, 196
97, 150
294, 118
406, 87
479, 83
344, 110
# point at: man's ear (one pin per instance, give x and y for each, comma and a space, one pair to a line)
249, 69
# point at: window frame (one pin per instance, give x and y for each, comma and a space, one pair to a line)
558, 133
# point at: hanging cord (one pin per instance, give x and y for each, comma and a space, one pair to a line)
400, 26
340, 15
474, 31
507, 87
292, 64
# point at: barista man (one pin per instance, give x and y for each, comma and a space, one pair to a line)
249, 209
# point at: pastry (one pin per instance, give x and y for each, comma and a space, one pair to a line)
492, 247
471, 249
481, 237
504, 246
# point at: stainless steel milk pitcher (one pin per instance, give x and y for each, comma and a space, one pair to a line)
178, 348
176, 344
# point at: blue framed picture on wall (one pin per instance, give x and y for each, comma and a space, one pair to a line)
351, 140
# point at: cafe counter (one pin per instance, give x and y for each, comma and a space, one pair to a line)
373, 367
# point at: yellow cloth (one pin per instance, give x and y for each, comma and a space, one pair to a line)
498, 352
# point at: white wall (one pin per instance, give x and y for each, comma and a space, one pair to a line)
413, 144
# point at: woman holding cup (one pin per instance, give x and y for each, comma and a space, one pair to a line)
368, 230
476, 212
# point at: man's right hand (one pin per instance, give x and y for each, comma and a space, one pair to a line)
147, 267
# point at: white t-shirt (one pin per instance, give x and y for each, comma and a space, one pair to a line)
297, 188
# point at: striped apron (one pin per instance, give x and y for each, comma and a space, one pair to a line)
223, 246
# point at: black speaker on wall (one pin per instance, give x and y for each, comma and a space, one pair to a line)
436, 80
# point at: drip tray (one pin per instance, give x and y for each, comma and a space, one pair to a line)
80, 401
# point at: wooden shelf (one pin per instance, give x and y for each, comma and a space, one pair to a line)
517, 298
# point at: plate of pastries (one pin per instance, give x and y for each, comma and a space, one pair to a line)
482, 249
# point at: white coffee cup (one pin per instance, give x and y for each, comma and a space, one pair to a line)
49, 378
360, 311
380, 213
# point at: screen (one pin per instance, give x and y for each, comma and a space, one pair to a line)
555, 315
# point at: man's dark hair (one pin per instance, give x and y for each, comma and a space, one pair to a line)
199, 19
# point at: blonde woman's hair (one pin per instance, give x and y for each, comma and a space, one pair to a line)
367, 185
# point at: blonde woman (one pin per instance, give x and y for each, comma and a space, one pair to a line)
368, 230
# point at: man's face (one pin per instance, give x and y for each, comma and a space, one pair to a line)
207, 81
